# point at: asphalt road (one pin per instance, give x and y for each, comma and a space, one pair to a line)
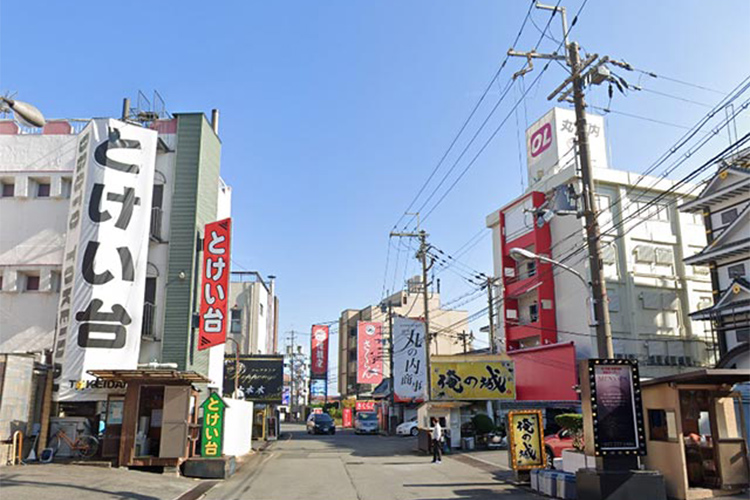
351, 467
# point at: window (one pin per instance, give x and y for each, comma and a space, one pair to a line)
533, 313
42, 190
66, 185
261, 309
9, 189
736, 271
55, 280
652, 211
728, 216
32, 283
236, 324
1, 279
531, 267
743, 335
662, 425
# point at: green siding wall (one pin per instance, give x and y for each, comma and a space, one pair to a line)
197, 164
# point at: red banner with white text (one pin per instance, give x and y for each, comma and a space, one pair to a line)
369, 352
319, 352
214, 291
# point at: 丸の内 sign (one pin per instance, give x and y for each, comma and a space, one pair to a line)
526, 440
212, 435
369, 352
106, 254
214, 284
490, 378
409, 360
319, 350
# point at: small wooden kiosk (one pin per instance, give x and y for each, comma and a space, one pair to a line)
156, 423
694, 436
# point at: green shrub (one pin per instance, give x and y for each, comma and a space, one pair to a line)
482, 423
573, 423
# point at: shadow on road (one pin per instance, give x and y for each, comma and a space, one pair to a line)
9, 482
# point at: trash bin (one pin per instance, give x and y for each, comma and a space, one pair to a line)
467, 443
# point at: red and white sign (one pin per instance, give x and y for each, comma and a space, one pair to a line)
369, 352
364, 405
214, 289
346, 417
319, 350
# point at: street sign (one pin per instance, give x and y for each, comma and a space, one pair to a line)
458, 380
214, 289
526, 436
212, 435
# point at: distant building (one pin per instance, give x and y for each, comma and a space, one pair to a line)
36, 171
724, 205
650, 291
448, 325
253, 308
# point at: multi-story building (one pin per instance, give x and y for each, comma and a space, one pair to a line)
253, 307
724, 205
644, 239
36, 171
448, 327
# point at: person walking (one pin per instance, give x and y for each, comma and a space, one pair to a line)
437, 440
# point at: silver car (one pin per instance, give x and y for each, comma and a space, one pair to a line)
366, 422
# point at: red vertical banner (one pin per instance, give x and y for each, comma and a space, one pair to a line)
214, 291
369, 352
346, 417
319, 352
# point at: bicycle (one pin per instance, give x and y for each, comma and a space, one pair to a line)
82, 447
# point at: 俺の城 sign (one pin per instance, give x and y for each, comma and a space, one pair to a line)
212, 434
526, 440
476, 378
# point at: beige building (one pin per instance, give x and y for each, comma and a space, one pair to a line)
450, 328
253, 308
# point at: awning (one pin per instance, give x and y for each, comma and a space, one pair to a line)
157, 375
703, 377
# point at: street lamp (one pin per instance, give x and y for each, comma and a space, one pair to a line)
24, 112
521, 254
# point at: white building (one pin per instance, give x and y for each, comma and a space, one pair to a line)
36, 170
650, 290
724, 204
254, 313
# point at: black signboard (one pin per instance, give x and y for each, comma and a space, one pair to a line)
616, 407
261, 378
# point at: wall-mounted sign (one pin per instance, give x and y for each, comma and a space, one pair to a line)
319, 352
212, 432
473, 380
106, 255
526, 440
261, 378
409, 360
367, 405
214, 289
616, 414
369, 352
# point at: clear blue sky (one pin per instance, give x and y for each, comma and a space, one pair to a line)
334, 113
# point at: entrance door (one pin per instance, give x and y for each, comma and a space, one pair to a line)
174, 430
730, 447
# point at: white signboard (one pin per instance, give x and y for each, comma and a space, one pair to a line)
106, 254
409, 360
550, 143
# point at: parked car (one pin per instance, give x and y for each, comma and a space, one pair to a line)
556, 443
320, 423
408, 428
366, 422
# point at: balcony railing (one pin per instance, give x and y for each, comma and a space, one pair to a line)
156, 217
148, 328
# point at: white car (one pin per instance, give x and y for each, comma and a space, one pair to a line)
407, 428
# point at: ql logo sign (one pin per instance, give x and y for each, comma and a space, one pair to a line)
541, 140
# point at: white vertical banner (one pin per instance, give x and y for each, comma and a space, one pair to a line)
409, 360
106, 255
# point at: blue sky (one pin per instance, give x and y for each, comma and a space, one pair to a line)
334, 113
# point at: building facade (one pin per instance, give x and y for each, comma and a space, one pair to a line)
644, 239
36, 171
254, 320
448, 327
724, 205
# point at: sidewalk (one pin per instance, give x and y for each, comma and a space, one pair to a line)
81, 482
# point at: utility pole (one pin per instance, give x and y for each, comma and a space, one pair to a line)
596, 75
491, 311
422, 256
